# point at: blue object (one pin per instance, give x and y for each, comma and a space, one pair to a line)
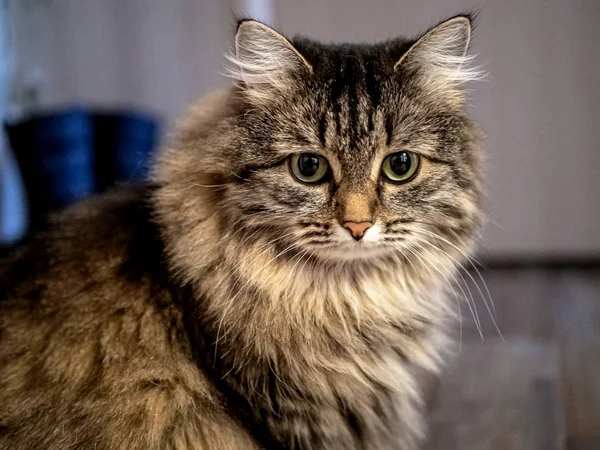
13, 210
56, 156
73, 153
124, 143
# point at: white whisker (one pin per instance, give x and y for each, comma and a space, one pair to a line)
460, 318
230, 303
471, 308
459, 264
467, 257
468, 298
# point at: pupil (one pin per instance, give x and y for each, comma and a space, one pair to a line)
308, 165
400, 163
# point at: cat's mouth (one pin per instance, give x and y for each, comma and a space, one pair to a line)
371, 237
353, 251
344, 246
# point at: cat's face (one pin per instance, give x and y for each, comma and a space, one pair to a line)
349, 152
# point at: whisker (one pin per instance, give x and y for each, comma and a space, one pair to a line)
228, 234
301, 255
471, 296
231, 272
469, 259
471, 309
267, 244
216, 186
437, 226
238, 176
292, 391
460, 318
474, 282
231, 301
468, 298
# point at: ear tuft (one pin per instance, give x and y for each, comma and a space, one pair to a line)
264, 59
442, 53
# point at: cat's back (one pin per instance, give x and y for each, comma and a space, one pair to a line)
97, 259
85, 243
93, 351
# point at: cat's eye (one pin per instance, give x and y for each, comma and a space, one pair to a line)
309, 168
400, 167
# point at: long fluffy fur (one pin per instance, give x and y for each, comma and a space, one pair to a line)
443, 53
225, 307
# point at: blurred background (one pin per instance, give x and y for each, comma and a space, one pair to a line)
88, 89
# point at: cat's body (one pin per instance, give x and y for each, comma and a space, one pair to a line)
239, 302
99, 351
94, 351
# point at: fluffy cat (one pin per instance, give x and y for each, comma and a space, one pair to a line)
276, 283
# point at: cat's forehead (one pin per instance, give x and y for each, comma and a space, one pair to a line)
326, 57
355, 107
352, 99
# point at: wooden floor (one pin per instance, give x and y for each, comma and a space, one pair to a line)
538, 387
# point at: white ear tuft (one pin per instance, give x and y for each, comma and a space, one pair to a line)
264, 59
442, 54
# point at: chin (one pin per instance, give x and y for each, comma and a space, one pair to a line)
354, 251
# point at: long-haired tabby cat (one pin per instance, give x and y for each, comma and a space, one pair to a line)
277, 281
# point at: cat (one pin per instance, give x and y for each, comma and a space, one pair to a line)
278, 280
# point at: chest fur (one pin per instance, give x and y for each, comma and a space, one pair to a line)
325, 357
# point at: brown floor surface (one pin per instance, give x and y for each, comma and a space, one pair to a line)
538, 387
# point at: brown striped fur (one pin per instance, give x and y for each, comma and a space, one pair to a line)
224, 307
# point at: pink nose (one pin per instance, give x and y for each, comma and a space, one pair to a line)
357, 229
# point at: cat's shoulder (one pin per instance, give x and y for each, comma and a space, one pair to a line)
93, 340
86, 290
99, 237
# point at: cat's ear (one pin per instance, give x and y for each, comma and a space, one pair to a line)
265, 61
440, 57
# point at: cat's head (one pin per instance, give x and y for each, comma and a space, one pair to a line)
342, 152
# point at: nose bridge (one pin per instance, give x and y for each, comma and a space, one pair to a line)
356, 204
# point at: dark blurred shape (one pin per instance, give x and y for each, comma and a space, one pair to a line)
124, 143
70, 154
56, 156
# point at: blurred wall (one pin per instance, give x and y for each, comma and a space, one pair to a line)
154, 54
539, 105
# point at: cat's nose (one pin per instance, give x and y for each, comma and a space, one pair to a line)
357, 229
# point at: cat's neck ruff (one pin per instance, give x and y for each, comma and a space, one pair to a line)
270, 304
292, 336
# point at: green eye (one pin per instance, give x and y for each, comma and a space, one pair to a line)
400, 167
309, 168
